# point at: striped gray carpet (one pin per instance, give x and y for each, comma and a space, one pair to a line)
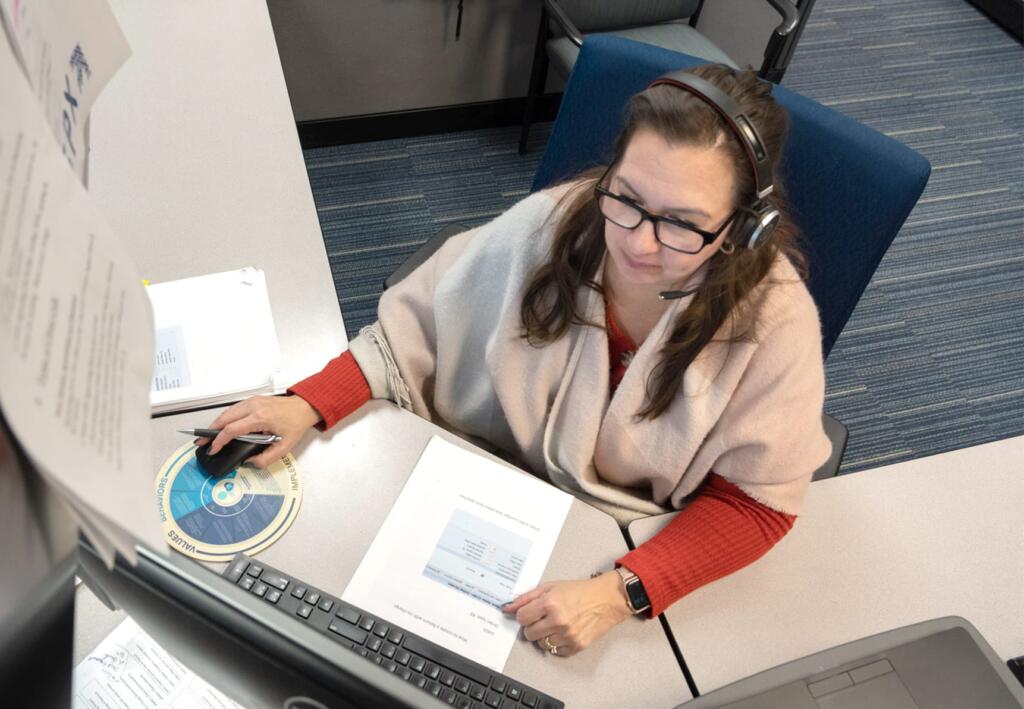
933, 357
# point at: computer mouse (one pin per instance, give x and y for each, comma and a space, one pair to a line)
227, 458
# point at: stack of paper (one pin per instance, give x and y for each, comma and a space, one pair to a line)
129, 669
466, 536
75, 323
215, 340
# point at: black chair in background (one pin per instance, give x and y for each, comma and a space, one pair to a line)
670, 24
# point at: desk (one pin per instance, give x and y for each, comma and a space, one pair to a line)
351, 478
872, 551
195, 161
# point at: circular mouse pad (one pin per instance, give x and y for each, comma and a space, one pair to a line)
212, 519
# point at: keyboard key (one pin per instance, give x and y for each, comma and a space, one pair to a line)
312, 598
260, 589
464, 703
417, 663
492, 700
299, 591
421, 682
405, 674
254, 570
326, 605
434, 688
448, 695
514, 692
477, 692
274, 596
462, 685
304, 610
366, 623
347, 631
448, 659
238, 568
248, 582
498, 685
276, 580
432, 671
403, 657
379, 660
388, 650
530, 699
395, 637
507, 703
375, 644
381, 630
349, 615
390, 665
548, 704
447, 678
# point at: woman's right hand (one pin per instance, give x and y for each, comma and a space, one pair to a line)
284, 416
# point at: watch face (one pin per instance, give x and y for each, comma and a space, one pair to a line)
637, 595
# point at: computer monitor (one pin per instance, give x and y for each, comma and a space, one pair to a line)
256, 656
37, 585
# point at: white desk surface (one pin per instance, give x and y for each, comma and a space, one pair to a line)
352, 476
872, 551
195, 161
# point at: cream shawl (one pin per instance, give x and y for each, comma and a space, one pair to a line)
447, 345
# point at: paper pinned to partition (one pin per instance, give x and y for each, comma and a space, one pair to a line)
130, 669
465, 536
215, 340
76, 328
69, 51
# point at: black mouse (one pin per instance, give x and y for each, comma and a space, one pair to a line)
228, 458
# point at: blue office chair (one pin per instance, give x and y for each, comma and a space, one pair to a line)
850, 188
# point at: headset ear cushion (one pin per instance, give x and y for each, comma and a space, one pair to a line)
742, 226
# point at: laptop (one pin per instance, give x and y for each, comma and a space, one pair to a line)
937, 664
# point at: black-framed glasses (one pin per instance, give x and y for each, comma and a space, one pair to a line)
672, 233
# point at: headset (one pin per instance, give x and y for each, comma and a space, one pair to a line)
754, 223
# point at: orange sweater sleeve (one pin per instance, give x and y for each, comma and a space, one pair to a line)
336, 390
722, 530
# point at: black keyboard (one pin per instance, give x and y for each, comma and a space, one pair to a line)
435, 669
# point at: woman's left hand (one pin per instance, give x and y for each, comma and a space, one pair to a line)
570, 615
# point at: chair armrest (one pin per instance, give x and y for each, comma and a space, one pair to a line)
838, 434
571, 31
790, 16
777, 41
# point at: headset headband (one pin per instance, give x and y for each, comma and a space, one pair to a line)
734, 116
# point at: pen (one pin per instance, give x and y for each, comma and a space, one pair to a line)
265, 438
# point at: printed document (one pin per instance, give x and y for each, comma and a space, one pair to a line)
69, 51
215, 340
465, 536
76, 327
128, 669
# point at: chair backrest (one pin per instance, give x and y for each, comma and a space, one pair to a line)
590, 16
850, 188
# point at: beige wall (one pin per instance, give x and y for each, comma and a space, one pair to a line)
354, 57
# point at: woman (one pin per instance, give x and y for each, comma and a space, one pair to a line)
619, 336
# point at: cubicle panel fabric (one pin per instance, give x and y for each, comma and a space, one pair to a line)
850, 187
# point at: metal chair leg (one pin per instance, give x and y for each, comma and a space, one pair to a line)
538, 74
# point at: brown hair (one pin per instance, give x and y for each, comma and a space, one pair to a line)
550, 304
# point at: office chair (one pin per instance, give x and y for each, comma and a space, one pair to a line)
850, 188
670, 24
